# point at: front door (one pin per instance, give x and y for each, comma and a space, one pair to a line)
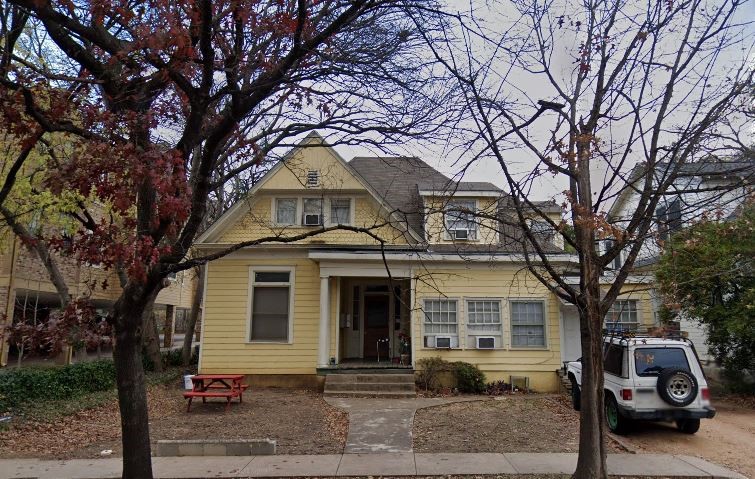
376, 324
572, 336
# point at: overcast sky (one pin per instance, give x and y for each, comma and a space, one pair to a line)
488, 170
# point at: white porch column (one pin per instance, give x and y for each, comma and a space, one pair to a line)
323, 347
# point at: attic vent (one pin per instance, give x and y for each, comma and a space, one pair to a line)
313, 178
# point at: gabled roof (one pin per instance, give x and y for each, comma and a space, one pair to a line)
239, 209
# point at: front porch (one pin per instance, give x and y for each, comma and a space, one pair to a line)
364, 322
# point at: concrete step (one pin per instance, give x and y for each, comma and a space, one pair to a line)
370, 378
340, 371
382, 394
390, 387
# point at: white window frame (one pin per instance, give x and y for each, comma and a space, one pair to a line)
328, 216
474, 234
609, 320
468, 331
546, 339
291, 296
458, 323
297, 216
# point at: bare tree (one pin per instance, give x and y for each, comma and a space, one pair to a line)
162, 94
602, 97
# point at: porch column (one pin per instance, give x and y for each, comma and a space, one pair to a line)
323, 347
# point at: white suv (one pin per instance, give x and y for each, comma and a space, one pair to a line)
649, 378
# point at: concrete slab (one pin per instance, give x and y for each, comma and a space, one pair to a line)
202, 466
713, 469
380, 431
469, 463
18, 468
651, 465
301, 466
397, 464
535, 463
81, 469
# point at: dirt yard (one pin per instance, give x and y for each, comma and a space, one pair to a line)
530, 423
727, 439
300, 421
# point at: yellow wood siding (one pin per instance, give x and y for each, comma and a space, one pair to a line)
505, 282
257, 224
435, 230
293, 174
226, 319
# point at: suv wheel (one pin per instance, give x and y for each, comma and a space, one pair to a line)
617, 423
677, 386
688, 426
576, 399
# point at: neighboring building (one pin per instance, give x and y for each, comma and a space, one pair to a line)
713, 189
286, 312
25, 287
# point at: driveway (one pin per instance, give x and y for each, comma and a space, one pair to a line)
728, 439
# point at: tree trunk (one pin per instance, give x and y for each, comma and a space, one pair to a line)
591, 463
152, 339
196, 304
128, 315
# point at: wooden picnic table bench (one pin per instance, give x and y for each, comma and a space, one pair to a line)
216, 385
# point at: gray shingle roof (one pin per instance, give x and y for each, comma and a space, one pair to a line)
399, 179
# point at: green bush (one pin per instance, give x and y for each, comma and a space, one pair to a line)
22, 385
469, 378
429, 372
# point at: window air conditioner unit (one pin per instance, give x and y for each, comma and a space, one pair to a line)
312, 220
485, 342
443, 342
460, 234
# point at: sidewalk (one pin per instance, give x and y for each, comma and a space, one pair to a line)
390, 464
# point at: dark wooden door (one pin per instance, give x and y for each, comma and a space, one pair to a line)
376, 320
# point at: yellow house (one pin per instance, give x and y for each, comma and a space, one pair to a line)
418, 256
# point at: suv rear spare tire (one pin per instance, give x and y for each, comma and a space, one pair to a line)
677, 386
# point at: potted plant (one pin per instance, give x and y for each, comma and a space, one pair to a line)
405, 347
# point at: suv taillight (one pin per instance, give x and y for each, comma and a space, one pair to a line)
626, 394
705, 394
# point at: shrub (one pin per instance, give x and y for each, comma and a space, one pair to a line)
469, 378
497, 388
430, 370
21, 385
172, 358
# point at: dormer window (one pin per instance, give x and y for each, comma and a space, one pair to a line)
313, 178
460, 220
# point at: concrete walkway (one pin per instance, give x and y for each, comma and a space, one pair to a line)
382, 425
397, 464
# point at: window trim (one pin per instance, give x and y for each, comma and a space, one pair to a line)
546, 336
328, 207
291, 297
322, 201
447, 231
501, 304
459, 301
637, 324
274, 212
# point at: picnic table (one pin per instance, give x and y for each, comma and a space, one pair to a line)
226, 386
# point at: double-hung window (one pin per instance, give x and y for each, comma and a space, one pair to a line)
622, 316
285, 211
441, 323
460, 219
312, 215
484, 322
271, 305
340, 211
527, 324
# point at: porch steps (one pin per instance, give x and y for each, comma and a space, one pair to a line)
370, 384
564, 382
